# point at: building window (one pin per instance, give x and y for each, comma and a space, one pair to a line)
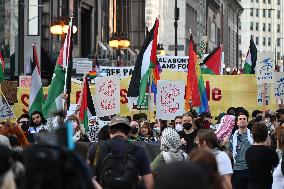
269, 13
264, 13
269, 27
251, 26
263, 1
278, 55
278, 14
278, 2
251, 12
278, 28
256, 1
251, 1
256, 40
264, 41
269, 41
256, 26
256, 12
269, 1
278, 42
263, 27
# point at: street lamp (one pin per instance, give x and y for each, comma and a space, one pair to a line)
119, 41
60, 27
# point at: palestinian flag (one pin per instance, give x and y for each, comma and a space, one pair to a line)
36, 91
87, 108
54, 101
2, 66
250, 62
212, 63
144, 65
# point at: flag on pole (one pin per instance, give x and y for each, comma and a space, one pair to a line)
192, 85
204, 107
87, 108
146, 61
212, 63
60, 80
54, 102
250, 62
2, 66
36, 91
68, 62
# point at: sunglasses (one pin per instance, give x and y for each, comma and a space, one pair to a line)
24, 122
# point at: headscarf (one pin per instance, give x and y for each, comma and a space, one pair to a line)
170, 140
171, 146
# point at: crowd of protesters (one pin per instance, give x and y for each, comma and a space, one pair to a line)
196, 151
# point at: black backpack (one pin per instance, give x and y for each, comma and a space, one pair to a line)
119, 169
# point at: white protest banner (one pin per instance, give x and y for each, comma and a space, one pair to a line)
6, 112
260, 95
122, 71
175, 63
170, 99
178, 63
264, 67
107, 95
279, 85
83, 66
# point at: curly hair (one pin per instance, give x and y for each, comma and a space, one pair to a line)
9, 129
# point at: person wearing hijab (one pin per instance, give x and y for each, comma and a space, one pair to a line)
171, 150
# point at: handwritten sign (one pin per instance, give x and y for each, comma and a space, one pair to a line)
9, 89
265, 67
6, 112
260, 93
170, 99
279, 85
107, 95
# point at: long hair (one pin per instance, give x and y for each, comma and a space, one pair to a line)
43, 120
15, 130
206, 159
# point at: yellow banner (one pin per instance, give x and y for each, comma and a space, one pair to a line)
224, 91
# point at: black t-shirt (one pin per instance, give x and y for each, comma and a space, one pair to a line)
260, 161
120, 145
189, 138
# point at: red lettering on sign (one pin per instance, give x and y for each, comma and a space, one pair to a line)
216, 94
24, 100
123, 96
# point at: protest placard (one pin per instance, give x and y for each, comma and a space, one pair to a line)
9, 89
279, 85
170, 99
121, 71
263, 93
107, 95
264, 67
6, 112
25, 81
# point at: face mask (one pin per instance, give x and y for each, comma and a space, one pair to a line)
134, 130
25, 127
179, 127
187, 126
157, 130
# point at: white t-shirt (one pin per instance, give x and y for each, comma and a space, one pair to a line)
278, 178
224, 163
